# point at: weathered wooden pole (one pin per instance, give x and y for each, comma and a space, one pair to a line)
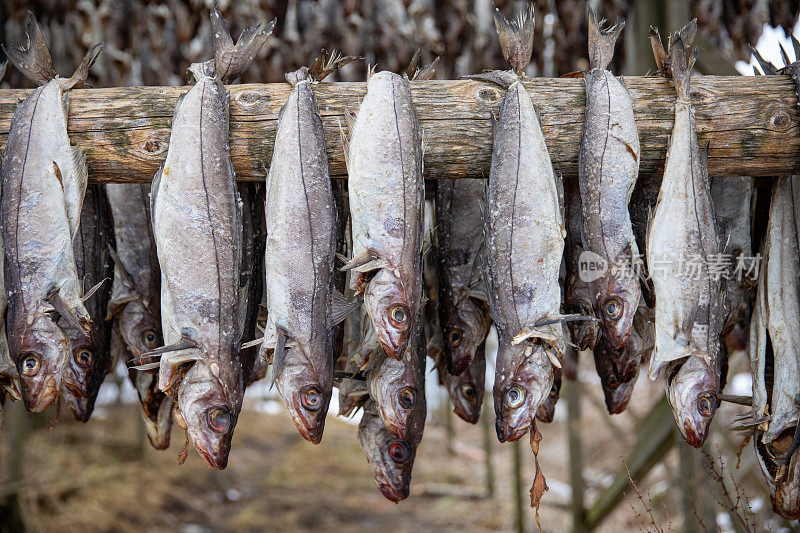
516, 480
488, 443
572, 393
751, 125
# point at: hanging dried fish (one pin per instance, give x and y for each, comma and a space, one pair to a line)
195, 200
302, 304
44, 181
608, 165
89, 364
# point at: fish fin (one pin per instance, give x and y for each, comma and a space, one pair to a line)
345, 146
93, 290
516, 37
3, 66
251, 344
230, 60
278, 355
414, 73
146, 366
659, 53
503, 78
60, 178
371, 70
154, 188
62, 307
534, 333
181, 344
325, 64
681, 58
33, 58
412, 69
366, 261
78, 78
75, 192
341, 308
768, 68
602, 40
341, 258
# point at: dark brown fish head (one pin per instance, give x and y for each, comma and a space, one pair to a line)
618, 371
391, 458
464, 329
783, 481
692, 393
156, 410
43, 350
81, 375
466, 393
395, 387
523, 379
140, 330
306, 393
616, 303
584, 333
209, 410
390, 309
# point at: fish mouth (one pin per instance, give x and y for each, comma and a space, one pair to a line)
310, 431
510, 434
617, 400
39, 400
217, 462
466, 414
691, 435
158, 439
388, 489
80, 408
395, 350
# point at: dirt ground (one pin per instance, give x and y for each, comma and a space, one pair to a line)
101, 477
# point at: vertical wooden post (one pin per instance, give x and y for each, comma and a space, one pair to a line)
447, 420
516, 479
645, 13
488, 438
685, 482
17, 429
572, 393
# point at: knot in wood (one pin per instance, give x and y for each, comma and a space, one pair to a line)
487, 95
780, 121
247, 98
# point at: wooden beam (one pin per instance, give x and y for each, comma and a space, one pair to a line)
751, 124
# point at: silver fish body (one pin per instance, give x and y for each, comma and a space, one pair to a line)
608, 165
44, 181
135, 302
300, 250
386, 208
524, 246
682, 239
463, 312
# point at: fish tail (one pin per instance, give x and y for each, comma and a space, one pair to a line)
32, 58
231, 60
80, 75
602, 40
516, 37
681, 58
414, 72
325, 64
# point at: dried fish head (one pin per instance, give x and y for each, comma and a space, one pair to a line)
81, 375
518, 393
466, 389
395, 388
391, 458
305, 393
43, 351
692, 393
464, 329
783, 482
618, 371
210, 410
390, 311
617, 302
140, 330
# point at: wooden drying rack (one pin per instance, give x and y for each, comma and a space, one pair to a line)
751, 124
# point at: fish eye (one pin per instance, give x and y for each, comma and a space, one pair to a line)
612, 309
705, 406
612, 382
408, 397
31, 364
150, 338
83, 357
311, 399
468, 390
219, 419
515, 396
399, 451
398, 316
454, 338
